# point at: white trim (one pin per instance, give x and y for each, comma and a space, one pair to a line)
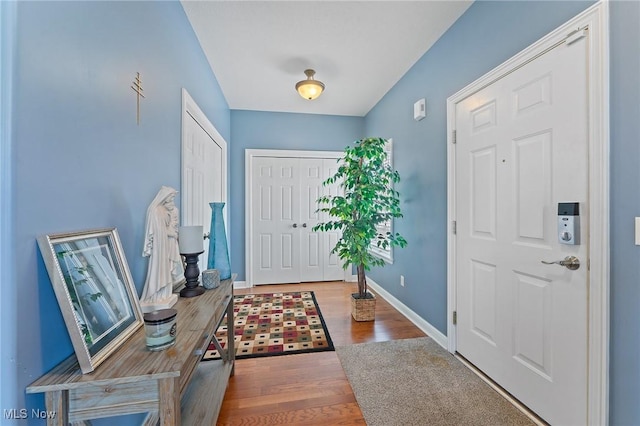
249, 155
191, 108
418, 321
351, 278
596, 19
240, 285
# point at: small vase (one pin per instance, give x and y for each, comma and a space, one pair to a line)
218, 250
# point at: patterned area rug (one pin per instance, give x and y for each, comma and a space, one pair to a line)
274, 324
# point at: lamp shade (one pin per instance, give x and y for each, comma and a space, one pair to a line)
191, 239
310, 89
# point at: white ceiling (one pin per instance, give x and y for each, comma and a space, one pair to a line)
258, 50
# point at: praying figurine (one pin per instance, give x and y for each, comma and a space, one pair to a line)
165, 269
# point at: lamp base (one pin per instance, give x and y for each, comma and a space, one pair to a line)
192, 274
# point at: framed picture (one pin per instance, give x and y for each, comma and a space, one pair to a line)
93, 285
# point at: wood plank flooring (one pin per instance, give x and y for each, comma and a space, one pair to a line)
309, 389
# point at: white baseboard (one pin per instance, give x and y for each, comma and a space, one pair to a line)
240, 284
416, 319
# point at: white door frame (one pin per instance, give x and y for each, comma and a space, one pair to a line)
191, 109
596, 20
249, 155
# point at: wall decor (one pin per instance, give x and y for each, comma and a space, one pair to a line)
95, 291
137, 87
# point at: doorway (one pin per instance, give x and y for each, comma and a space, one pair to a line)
204, 171
526, 140
281, 192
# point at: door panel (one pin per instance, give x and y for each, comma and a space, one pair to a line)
202, 175
521, 149
311, 178
532, 316
276, 193
483, 192
332, 265
532, 164
483, 301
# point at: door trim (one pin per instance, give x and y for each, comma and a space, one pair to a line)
596, 20
249, 155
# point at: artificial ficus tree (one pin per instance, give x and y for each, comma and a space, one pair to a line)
368, 200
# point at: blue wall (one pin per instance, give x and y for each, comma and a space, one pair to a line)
625, 205
73, 114
79, 159
275, 130
485, 36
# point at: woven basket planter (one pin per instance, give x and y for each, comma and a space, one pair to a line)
363, 309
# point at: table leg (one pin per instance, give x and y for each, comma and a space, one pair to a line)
57, 403
169, 395
231, 350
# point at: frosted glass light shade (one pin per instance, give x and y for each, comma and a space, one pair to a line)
310, 89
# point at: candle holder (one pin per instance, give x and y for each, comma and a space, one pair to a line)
192, 274
190, 241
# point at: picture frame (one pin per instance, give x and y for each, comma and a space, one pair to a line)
94, 289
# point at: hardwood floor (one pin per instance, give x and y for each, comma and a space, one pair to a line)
309, 389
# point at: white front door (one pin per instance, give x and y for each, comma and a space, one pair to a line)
522, 148
203, 171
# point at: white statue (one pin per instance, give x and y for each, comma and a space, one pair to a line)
161, 246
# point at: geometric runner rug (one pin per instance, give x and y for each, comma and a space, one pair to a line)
274, 324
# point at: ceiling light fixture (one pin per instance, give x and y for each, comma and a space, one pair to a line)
310, 88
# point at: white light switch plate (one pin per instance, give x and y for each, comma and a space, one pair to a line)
638, 231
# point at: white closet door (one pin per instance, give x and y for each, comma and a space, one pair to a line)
283, 203
275, 199
317, 263
311, 243
332, 266
203, 171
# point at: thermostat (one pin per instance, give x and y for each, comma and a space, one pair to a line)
420, 109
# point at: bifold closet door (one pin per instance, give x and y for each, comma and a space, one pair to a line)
316, 261
284, 200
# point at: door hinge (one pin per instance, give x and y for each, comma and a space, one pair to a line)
575, 36
454, 227
454, 136
455, 317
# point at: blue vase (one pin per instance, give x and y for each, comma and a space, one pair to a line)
218, 250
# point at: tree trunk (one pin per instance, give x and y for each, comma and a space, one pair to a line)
362, 282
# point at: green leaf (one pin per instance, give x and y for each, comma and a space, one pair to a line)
368, 200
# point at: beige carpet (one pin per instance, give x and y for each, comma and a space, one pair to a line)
416, 382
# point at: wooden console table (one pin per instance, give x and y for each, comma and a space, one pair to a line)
166, 384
